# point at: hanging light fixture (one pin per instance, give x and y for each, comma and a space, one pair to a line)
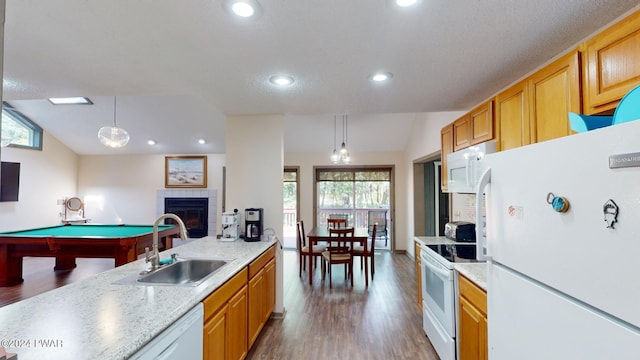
344, 153
335, 158
342, 156
113, 136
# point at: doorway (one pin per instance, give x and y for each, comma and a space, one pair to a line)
290, 201
431, 205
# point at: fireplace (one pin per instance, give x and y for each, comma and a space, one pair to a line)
194, 212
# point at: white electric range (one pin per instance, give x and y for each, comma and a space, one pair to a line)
438, 256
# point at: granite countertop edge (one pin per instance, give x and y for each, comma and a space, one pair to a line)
95, 318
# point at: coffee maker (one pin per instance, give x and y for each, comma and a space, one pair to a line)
253, 223
230, 226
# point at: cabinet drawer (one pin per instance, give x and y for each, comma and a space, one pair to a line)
220, 297
261, 261
473, 293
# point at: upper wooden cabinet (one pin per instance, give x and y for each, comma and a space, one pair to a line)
612, 65
446, 147
462, 133
482, 123
553, 92
512, 117
474, 127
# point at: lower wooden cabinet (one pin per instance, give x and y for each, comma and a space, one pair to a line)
236, 312
472, 321
225, 324
419, 274
262, 278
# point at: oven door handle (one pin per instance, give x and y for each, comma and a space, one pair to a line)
443, 273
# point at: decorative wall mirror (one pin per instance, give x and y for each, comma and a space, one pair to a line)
74, 204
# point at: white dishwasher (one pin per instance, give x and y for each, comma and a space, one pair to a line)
182, 340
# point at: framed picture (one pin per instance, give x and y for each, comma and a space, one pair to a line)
185, 171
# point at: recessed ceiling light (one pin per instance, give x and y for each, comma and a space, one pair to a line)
201, 141
151, 142
71, 101
248, 9
406, 3
281, 80
380, 77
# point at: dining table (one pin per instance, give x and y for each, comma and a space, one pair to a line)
321, 234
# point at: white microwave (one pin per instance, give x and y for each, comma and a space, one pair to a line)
464, 167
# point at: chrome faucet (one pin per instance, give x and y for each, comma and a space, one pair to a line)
155, 258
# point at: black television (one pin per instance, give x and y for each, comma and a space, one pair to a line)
9, 181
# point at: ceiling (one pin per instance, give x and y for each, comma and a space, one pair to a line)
178, 68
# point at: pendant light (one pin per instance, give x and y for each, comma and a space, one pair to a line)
335, 158
113, 136
342, 156
344, 153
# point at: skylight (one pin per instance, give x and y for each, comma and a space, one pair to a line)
71, 101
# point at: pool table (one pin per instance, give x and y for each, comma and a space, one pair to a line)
67, 242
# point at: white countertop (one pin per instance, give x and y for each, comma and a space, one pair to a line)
476, 272
433, 240
96, 319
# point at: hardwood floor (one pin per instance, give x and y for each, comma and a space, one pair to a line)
381, 322
39, 276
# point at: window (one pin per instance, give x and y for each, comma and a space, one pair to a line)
18, 130
353, 192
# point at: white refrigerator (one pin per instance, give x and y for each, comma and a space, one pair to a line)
564, 285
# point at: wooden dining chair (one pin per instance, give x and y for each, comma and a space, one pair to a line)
339, 254
358, 250
336, 223
304, 250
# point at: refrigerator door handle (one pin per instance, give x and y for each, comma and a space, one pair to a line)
468, 172
481, 239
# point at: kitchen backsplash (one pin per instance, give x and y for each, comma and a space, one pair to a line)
463, 207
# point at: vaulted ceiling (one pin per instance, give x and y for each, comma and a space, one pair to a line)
178, 68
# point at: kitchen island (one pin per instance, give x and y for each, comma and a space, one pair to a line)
97, 319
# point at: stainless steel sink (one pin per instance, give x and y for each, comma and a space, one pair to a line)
183, 272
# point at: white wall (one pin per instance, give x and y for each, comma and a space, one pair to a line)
254, 152
122, 188
45, 177
306, 161
424, 142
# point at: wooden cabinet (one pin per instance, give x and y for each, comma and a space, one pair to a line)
482, 120
419, 274
270, 288
446, 147
512, 117
462, 133
472, 321
235, 313
612, 65
262, 279
474, 127
553, 92
225, 320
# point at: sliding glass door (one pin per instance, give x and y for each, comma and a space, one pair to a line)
362, 195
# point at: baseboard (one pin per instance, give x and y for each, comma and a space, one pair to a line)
278, 315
